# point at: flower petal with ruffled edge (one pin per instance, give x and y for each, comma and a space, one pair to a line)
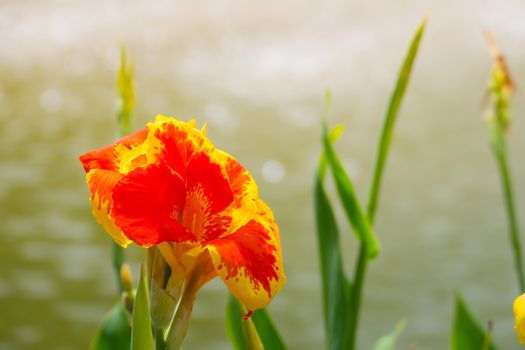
174, 143
109, 157
183, 194
102, 167
101, 183
250, 263
245, 192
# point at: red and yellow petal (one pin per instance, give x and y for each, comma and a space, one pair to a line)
207, 174
173, 143
244, 189
208, 193
101, 183
241, 181
108, 157
147, 206
250, 263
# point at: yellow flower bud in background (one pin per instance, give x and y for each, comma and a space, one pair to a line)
126, 277
519, 316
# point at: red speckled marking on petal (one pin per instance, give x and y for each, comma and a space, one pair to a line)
107, 158
247, 315
247, 254
216, 227
147, 206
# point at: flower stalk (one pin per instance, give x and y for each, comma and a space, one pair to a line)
125, 104
501, 89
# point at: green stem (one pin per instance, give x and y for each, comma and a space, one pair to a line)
160, 343
117, 253
362, 260
124, 120
499, 149
379, 164
355, 300
181, 321
124, 111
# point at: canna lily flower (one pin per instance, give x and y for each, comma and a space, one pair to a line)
168, 187
519, 316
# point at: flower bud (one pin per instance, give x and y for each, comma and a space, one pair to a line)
126, 277
519, 316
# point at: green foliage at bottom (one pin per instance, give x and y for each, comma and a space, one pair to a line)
467, 334
335, 286
114, 332
141, 336
240, 332
234, 326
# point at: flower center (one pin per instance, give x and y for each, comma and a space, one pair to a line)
196, 211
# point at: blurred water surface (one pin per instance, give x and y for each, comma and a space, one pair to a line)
256, 71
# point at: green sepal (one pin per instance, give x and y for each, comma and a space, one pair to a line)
141, 330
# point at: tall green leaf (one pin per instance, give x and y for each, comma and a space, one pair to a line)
141, 335
234, 327
335, 286
242, 333
380, 160
270, 337
345, 189
114, 332
390, 118
467, 334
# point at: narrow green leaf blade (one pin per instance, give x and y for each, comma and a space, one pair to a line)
270, 337
390, 118
241, 332
141, 335
114, 332
467, 334
234, 327
388, 342
345, 189
335, 287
